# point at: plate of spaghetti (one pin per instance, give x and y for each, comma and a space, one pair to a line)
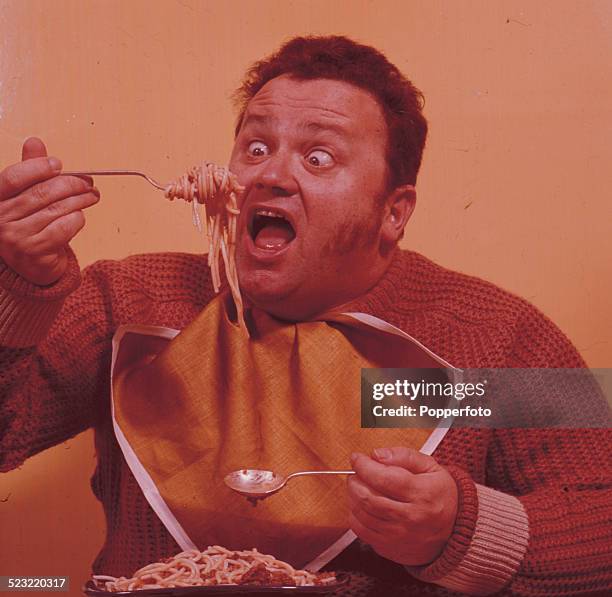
216, 571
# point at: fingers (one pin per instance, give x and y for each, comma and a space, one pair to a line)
402, 503
374, 506
33, 147
57, 234
17, 178
54, 211
398, 473
43, 220
49, 240
40, 198
88, 179
407, 458
391, 481
48, 229
366, 533
40, 212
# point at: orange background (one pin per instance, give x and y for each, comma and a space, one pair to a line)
515, 186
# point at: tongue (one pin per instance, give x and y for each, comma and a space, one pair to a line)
273, 236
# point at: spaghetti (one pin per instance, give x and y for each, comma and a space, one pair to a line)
215, 566
216, 189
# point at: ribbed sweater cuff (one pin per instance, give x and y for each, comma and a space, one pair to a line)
487, 545
28, 311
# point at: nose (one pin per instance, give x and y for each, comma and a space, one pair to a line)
276, 175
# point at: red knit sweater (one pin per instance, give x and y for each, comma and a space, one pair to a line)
535, 506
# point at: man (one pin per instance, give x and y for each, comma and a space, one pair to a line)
328, 146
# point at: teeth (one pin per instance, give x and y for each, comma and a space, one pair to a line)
269, 214
257, 222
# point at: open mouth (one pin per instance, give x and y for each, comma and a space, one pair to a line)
270, 230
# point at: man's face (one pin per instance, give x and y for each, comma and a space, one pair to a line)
311, 155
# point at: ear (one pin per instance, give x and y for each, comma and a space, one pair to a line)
398, 209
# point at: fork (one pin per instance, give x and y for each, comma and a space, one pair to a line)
117, 173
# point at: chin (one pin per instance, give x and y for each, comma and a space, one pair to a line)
265, 289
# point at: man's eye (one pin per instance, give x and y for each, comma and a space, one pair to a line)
257, 149
319, 158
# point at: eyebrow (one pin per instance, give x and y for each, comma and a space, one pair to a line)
324, 127
256, 119
313, 126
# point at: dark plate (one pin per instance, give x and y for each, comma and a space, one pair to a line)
342, 580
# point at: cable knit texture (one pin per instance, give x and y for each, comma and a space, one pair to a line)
535, 510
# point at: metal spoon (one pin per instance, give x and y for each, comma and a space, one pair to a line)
257, 484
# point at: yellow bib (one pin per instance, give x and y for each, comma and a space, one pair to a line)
190, 407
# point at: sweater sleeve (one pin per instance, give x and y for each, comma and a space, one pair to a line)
53, 345
543, 523
561, 477
487, 544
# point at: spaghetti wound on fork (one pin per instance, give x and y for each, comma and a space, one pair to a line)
216, 189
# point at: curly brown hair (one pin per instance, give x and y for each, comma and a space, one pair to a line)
340, 58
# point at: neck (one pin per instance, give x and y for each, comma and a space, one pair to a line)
309, 309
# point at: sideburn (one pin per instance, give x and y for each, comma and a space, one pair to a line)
356, 235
